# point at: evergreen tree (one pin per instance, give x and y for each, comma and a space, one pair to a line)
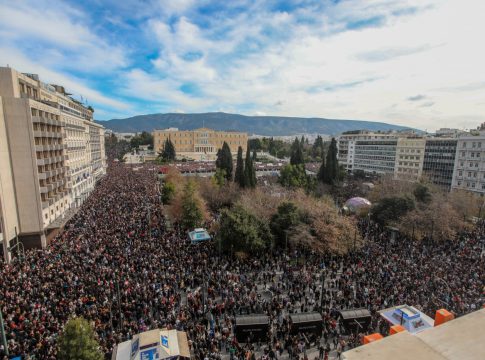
168, 153
318, 148
332, 174
78, 342
249, 171
321, 171
239, 175
191, 213
296, 156
271, 147
224, 160
255, 156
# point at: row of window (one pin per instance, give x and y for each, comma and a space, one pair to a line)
470, 185
474, 144
408, 164
409, 157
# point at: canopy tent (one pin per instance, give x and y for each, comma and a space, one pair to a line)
199, 235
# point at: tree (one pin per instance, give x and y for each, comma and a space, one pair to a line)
293, 176
168, 153
239, 175
168, 192
224, 160
255, 156
318, 148
286, 218
191, 212
391, 209
255, 144
145, 138
240, 230
422, 194
437, 220
219, 178
78, 341
332, 172
249, 171
296, 157
321, 171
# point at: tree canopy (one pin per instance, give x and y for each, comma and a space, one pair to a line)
240, 230
168, 152
239, 175
296, 157
78, 341
294, 176
192, 216
249, 171
144, 138
224, 160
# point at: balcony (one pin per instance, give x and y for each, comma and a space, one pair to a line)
47, 121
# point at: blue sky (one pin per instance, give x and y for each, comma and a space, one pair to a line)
418, 63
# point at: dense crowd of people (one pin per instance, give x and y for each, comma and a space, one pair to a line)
119, 267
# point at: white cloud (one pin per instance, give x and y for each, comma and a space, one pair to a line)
74, 85
369, 70
59, 30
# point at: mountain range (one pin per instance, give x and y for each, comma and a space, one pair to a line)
253, 125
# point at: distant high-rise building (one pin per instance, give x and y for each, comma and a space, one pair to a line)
469, 169
346, 144
439, 161
51, 154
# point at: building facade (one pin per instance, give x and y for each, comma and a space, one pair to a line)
199, 144
375, 156
469, 167
439, 161
51, 152
409, 158
346, 144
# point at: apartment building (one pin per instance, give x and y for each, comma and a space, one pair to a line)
199, 144
375, 156
409, 158
51, 155
469, 166
439, 161
346, 144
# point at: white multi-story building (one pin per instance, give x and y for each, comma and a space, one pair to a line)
51, 152
347, 141
469, 169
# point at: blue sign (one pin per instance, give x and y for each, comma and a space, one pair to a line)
165, 341
148, 354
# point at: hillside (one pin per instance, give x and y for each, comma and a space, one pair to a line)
261, 125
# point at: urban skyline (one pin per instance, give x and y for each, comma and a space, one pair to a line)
413, 63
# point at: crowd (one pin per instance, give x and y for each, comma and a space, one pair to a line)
119, 267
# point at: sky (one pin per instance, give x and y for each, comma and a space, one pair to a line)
416, 63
